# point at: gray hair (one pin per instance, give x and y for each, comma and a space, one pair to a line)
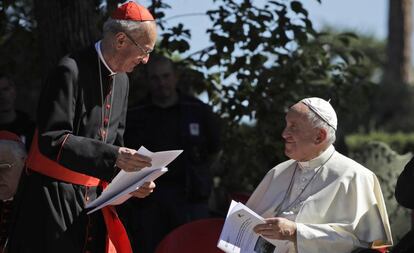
114, 26
317, 122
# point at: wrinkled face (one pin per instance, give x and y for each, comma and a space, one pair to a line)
7, 95
300, 136
163, 80
133, 49
12, 157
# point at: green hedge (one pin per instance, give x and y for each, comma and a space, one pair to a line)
400, 142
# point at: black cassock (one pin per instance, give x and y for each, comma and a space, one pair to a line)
74, 118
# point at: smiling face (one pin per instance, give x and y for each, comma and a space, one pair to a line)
303, 141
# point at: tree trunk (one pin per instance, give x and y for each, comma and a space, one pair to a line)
65, 26
399, 42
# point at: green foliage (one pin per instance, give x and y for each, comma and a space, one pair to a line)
173, 38
265, 63
19, 50
16, 26
399, 141
261, 61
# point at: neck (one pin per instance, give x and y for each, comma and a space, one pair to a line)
7, 116
165, 102
107, 54
316, 154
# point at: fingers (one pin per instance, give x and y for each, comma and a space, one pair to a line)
267, 229
145, 190
148, 185
129, 160
277, 228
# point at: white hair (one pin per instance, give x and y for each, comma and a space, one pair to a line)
114, 26
317, 122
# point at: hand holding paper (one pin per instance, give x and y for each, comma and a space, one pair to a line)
144, 190
238, 236
277, 228
125, 183
131, 160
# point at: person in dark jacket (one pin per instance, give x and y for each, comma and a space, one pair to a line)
78, 145
168, 120
404, 194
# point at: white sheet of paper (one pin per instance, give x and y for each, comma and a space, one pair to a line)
124, 183
238, 236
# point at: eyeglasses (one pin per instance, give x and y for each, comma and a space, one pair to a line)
145, 51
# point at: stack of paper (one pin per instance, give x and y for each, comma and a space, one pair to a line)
238, 236
124, 183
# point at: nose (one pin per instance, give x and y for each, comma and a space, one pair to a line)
285, 133
145, 59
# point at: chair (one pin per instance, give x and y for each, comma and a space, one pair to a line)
382, 250
199, 236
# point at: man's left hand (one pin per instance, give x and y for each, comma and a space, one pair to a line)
277, 228
144, 190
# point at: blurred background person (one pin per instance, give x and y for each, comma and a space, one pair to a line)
168, 119
404, 194
16, 132
12, 158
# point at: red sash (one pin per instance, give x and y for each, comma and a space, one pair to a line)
117, 239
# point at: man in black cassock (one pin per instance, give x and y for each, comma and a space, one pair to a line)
78, 145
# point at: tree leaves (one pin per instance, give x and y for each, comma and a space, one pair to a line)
262, 60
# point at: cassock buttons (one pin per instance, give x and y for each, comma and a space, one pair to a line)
108, 106
103, 133
106, 121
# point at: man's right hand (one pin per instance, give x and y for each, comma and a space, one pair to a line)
129, 160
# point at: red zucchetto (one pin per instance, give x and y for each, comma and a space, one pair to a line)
132, 11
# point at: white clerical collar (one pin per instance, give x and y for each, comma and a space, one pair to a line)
98, 50
318, 161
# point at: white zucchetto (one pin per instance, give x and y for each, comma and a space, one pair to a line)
323, 109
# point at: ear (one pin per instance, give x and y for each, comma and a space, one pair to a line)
120, 40
321, 136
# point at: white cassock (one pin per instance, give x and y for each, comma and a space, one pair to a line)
340, 209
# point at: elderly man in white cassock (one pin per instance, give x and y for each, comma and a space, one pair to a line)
319, 200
